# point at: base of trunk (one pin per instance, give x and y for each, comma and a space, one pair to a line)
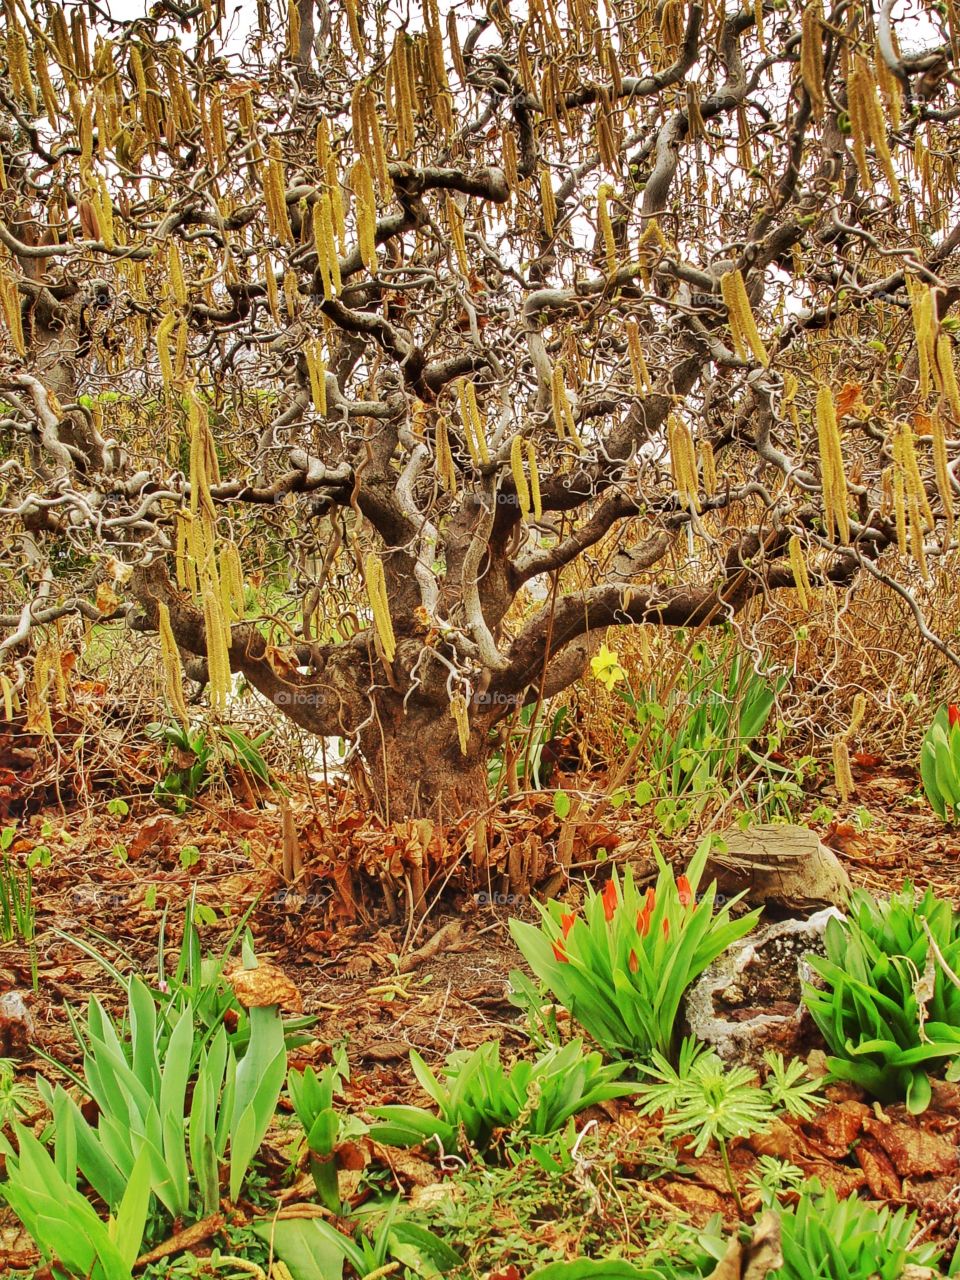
417, 769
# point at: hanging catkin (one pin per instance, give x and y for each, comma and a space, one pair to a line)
833, 478
376, 585
798, 567
361, 181
944, 478
446, 471
519, 476
459, 711
172, 669
534, 481
606, 226
743, 326
811, 56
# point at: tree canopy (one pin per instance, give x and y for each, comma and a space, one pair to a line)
387, 355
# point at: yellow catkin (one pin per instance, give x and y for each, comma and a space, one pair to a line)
376, 585
456, 53
900, 509
293, 29
923, 315
164, 332
811, 56
270, 284
944, 480
535, 498
356, 39
857, 714
683, 463
889, 87
833, 478
182, 553
459, 711
788, 397
708, 468
758, 22
8, 697
945, 375
172, 669
548, 203
361, 181
232, 601
322, 251
180, 349
868, 126
606, 226
473, 423
455, 223
275, 188
563, 419
10, 306
175, 280
743, 326
317, 371
446, 471
638, 366
798, 566
217, 638
916, 536
291, 293
367, 135
842, 773
905, 456
519, 476
510, 158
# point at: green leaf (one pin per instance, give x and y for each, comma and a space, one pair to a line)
304, 1247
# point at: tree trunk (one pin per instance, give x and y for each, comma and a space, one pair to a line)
417, 768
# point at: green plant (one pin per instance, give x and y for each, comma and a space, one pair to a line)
940, 763
190, 754
697, 732
191, 980
313, 1096
16, 1099
709, 1102
314, 1250
479, 1096
524, 746
17, 912
65, 1227
825, 1238
142, 1092
772, 1178
889, 1003
621, 969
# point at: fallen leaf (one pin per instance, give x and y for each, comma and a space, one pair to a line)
264, 986
880, 1174
913, 1150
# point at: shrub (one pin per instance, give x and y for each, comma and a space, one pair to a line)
824, 1238
621, 969
479, 1096
889, 1003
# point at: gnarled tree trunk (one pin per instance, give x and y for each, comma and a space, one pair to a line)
417, 767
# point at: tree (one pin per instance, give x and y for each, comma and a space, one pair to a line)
649, 305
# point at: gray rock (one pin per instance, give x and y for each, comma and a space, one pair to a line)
780, 863
728, 977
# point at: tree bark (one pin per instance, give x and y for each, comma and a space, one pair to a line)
417, 768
